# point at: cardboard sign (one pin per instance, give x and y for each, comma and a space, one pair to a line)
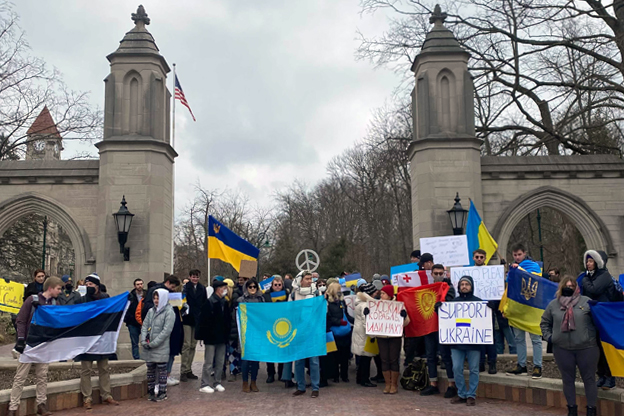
451, 250
11, 296
248, 268
384, 318
350, 303
465, 323
489, 281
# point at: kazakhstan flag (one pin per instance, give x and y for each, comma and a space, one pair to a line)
608, 317
282, 332
225, 245
478, 235
525, 299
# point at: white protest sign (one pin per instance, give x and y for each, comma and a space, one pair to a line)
350, 304
451, 250
465, 323
384, 318
489, 281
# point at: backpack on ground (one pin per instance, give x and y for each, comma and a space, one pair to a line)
415, 376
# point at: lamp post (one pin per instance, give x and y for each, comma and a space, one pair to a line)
458, 216
123, 220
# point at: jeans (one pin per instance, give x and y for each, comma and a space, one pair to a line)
135, 334
315, 373
458, 367
213, 354
287, 373
504, 333
521, 347
250, 367
431, 348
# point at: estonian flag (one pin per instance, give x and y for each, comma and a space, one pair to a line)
63, 332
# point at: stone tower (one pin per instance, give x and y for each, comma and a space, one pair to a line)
136, 160
444, 153
43, 138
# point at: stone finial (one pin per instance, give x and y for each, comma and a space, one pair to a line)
437, 15
140, 16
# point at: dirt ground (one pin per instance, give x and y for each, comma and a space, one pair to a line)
6, 376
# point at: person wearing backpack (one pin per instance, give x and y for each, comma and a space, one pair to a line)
134, 325
390, 348
52, 288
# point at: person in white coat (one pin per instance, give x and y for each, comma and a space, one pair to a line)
358, 339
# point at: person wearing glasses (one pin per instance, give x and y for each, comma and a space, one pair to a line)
432, 346
478, 256
252, 294
277, 293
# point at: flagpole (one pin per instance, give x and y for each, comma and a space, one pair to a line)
173, 179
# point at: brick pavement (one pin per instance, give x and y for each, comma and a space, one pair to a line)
274, 399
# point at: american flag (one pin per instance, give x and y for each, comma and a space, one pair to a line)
179, 94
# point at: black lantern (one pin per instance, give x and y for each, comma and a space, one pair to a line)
458, 216
123, 220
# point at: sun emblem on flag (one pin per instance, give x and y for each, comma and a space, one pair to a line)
216, 228
425, 302
282, 333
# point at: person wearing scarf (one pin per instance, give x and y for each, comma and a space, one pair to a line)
567, 323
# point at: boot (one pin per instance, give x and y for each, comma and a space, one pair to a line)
12, 413
246, 387
591, 411
42, 410
395, 381
388, 378
573, 410
253, 386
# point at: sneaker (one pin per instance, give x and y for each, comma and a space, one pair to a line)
172, 381
537, 373
206, 389
15, 354
609, 383
492, 369
458, 400
451, 392
191, 376
601, 381
161, 397
518, 371
470, 401
151, 397
219, 388
430, 391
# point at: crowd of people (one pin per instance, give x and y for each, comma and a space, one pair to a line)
159, 332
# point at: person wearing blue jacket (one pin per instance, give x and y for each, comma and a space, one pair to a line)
525, 263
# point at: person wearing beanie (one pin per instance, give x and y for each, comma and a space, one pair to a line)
376, 276
213, 329
597, 284
386, 280
390, 348
426, 261
415, 256
69, 296
358, 340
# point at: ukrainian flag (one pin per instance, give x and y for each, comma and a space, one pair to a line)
525, 299
608, 318
478, 235
463, 322
278, 296
330, 342
224, 245
282, 332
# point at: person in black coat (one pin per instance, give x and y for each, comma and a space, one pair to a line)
36, 286
171, 284
134, 327
598, 285
196, 295
213, 329
277, 285
336, 364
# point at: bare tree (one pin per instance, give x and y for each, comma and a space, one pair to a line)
27, 84
548, 74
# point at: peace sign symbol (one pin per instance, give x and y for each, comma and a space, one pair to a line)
309, 260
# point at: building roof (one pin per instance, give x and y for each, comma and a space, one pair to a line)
440, 39
44, 125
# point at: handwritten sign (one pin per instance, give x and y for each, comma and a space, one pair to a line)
451, 250
384, 318
489, 281
350, 304
465, 323
11, 296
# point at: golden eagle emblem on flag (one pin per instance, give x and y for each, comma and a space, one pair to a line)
282, 333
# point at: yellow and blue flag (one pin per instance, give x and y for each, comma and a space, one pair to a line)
608, 318
330, 342
225, 245
478, 235
278, 296
266, 284
525, 299
282, 332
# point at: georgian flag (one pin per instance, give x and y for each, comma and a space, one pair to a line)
59, 333
413, 279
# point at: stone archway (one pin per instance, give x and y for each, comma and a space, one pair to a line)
15, 208
589, 224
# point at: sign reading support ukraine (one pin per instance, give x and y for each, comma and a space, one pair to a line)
465, 323
282, 332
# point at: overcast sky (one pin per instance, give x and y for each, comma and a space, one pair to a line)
274, 84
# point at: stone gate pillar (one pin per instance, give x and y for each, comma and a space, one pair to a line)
136, 160
444, 153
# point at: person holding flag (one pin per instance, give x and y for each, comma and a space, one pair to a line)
252, 294
276, 293
225, 245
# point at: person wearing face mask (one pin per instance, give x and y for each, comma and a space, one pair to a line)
86, 360
253, 294
358, 340
68, 296
568, 324
277, 293
213, 329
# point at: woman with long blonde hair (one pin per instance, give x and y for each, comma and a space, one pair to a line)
338, 361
